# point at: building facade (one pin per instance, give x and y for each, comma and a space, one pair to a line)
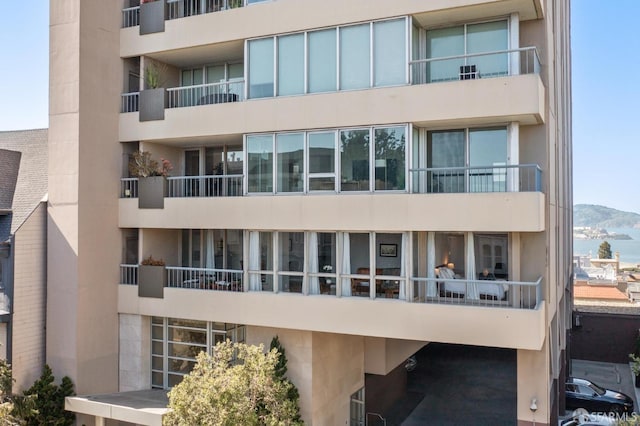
23, 253
359, 178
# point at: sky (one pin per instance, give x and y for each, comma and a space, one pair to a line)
605, 74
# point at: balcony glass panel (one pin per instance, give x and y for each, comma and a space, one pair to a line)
322, 61
390, 158
354, 57
260, 163
389, 52
322, 148
488, 37
446, 149
487, 148
354, 160
291, 64
441, 43
291, 261
290, 162
322, 263
261, 68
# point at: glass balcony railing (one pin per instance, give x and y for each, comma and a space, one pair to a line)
206, 94
475, 66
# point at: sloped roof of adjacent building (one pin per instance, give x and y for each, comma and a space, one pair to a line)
24, 157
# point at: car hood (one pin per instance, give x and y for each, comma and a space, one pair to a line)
617, 396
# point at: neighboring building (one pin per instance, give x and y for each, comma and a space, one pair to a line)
358, 177
23, 252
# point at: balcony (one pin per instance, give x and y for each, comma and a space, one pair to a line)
491, 313
476, 66
176, 9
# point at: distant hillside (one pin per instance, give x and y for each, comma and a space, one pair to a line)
603, 217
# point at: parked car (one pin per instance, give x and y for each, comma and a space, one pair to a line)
581, 393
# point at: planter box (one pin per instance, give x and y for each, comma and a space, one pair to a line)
152, 17
151, 281
152, 103
151, 192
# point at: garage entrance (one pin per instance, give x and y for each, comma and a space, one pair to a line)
458, 384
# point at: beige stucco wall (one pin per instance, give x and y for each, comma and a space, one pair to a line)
383, 355
325, 367
84, 159
495, 212
286, 16
135, 352
29, 299
424, 322
495, 100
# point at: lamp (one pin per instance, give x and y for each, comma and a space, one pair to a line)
534, 405
451, 266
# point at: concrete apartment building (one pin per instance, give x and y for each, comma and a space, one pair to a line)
358, 177
23, 252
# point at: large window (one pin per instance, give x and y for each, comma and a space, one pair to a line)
465, 40
466, 160
306, 162
212, 248
367, 55
175, 344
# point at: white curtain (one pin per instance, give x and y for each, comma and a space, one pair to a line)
403, 269
346, 264
255, 284
210, 259
431, 264
314, 282
472, 285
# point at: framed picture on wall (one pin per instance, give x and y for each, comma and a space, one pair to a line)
388, 250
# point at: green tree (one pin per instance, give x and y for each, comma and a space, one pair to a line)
48, 400
281, 371
7, 400
604, 251
237, 385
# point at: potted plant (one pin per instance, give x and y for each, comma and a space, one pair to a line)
152, 278
152, 16
153, 98
635, 368
151, 179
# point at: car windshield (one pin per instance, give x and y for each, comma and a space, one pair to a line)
597, 389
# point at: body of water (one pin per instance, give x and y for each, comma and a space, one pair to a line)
629, 249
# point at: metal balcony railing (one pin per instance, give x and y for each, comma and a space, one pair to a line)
206, 94
191, 186
129, 188
497, 178
474, 66
131, 17
130, 102
183, 8
497, 294
129, 274
204, 186
204, 278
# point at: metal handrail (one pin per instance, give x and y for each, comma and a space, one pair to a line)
130, 16
205, 186
206, 94
491, 293
463, 179
524, 60
130, 102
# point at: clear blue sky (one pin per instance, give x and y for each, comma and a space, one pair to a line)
606, 91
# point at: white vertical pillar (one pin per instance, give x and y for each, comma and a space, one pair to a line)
514, 43
100, 421
513, 157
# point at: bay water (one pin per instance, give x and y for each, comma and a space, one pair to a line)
629, 249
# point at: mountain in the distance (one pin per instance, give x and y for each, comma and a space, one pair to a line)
603, 217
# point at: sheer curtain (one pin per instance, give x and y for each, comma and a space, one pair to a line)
314, 282
472, 285
346, 264
403, 269
255, 284
210, 259
431, 264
